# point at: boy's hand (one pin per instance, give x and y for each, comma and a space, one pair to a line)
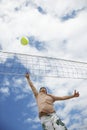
27, 75
76, 94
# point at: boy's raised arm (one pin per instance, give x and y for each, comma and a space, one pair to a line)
31, 84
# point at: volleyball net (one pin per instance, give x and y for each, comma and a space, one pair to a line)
19, 64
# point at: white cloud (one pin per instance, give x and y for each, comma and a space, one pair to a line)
20, 97
32, 104
50, 30
5, 91
35, 120
60, 7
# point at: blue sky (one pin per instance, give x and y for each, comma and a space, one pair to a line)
55, 29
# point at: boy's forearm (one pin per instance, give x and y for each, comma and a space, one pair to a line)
30, 82
68, 97
76, 94
63, 98
32, 87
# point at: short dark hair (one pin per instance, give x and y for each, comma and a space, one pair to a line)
44, 88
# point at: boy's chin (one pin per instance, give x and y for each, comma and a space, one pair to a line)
43, 91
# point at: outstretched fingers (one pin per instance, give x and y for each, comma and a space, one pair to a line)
76, 94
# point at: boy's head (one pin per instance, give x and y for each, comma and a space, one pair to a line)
43, 89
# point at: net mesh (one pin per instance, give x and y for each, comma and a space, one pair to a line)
19, 64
